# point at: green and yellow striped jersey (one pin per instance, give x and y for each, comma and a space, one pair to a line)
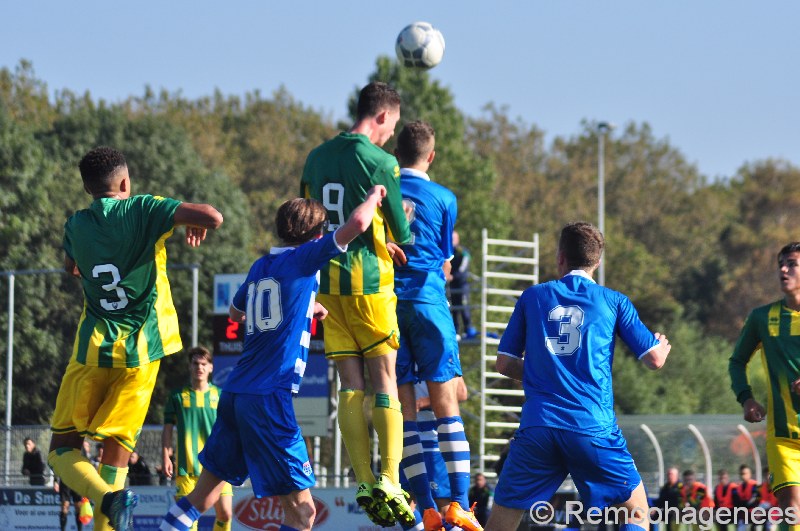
339, 173
775, 330
193, 413
128, 317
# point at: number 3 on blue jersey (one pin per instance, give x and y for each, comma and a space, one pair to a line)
568, 340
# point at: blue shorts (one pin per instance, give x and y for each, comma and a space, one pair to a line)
427, 340
258, 436
540, 459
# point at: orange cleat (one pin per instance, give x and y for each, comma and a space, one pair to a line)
464, 519
432, 520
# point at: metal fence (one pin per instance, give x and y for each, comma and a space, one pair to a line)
657, 442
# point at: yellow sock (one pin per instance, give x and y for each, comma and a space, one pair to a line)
78, 473
355, 433
388, 421
114, 478
222, 526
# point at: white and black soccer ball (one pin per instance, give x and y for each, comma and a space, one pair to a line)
420, 45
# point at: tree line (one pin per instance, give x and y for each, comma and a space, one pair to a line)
694, 254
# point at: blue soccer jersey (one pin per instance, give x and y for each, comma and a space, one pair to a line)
432, 209
566, 331
278, 300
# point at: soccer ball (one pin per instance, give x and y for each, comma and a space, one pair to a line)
420, 45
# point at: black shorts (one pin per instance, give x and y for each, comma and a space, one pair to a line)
67, 494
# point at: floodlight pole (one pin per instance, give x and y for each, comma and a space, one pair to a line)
602, 129
9, 373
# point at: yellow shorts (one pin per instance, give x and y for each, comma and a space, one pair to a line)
185, 485
783, 457
360, 325
100, 402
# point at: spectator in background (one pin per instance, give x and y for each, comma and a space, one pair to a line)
668, 497
32, 463
746, 494
138, 471
459, 288
480, 498
68, 496
723, 496
693, 493
767, 498
86, 450
98, 456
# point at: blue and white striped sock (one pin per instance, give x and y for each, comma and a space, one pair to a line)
455, 450
413, 465
180, 517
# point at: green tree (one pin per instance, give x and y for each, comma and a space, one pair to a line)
471, 177
694, 379
766, 199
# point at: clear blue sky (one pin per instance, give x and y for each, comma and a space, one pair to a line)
718, 79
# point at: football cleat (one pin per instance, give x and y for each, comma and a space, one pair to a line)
462, 518
378, 512
432, 520
120, 513
396, 498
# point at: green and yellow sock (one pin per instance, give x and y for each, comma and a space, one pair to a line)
77, 472
388, 421
355, 433
114, 477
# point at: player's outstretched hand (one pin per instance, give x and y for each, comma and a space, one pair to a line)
378, 191
195, 235
320, 312
396, 253
753, 411
661, 338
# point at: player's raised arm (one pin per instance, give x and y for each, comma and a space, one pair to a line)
197, 218
655, 357
198, 215
361, 218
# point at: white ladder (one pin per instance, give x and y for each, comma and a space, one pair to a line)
508, 267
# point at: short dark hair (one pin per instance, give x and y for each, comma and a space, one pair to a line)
28, 439
416, 140
742, 468
99, 165
789, 248
300, 220
687, 473
376, 97
201, 352
582, 244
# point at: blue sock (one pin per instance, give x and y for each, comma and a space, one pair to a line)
180, 517
630, 527
417, 525
455, 451
413, 466
285, 527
